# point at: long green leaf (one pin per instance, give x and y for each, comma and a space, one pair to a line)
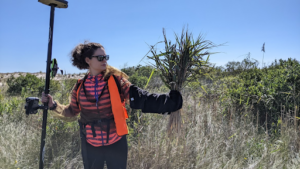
150, 77
203, 89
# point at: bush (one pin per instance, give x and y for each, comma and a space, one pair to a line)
138, 80
268, 89
29, 84
139, 75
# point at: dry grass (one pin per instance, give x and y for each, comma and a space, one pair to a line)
208, 140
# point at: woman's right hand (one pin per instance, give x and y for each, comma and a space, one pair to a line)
47, 98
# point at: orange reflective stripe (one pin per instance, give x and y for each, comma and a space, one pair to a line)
77, 93
117, 107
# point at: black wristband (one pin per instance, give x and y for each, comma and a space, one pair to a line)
54, 106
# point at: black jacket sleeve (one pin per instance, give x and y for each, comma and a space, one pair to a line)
154, 103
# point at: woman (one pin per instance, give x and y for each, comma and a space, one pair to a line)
99, 98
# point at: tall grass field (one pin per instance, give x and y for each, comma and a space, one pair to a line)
238, 117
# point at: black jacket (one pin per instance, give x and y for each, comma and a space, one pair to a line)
154, 103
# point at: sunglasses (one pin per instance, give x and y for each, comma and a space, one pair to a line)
101, 57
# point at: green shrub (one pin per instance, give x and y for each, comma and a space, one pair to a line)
267, 89
138, 80
139, 75
29, 84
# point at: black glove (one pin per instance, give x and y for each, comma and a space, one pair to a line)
154, 103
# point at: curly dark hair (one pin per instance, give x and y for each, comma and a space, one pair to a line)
81, 51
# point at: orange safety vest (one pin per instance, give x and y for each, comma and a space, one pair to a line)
118, 107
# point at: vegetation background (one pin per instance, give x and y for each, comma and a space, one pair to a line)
237, 116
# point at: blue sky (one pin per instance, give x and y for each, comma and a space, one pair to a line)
126, 28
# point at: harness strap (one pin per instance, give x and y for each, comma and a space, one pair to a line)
93, 130
92, 124
79, 84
